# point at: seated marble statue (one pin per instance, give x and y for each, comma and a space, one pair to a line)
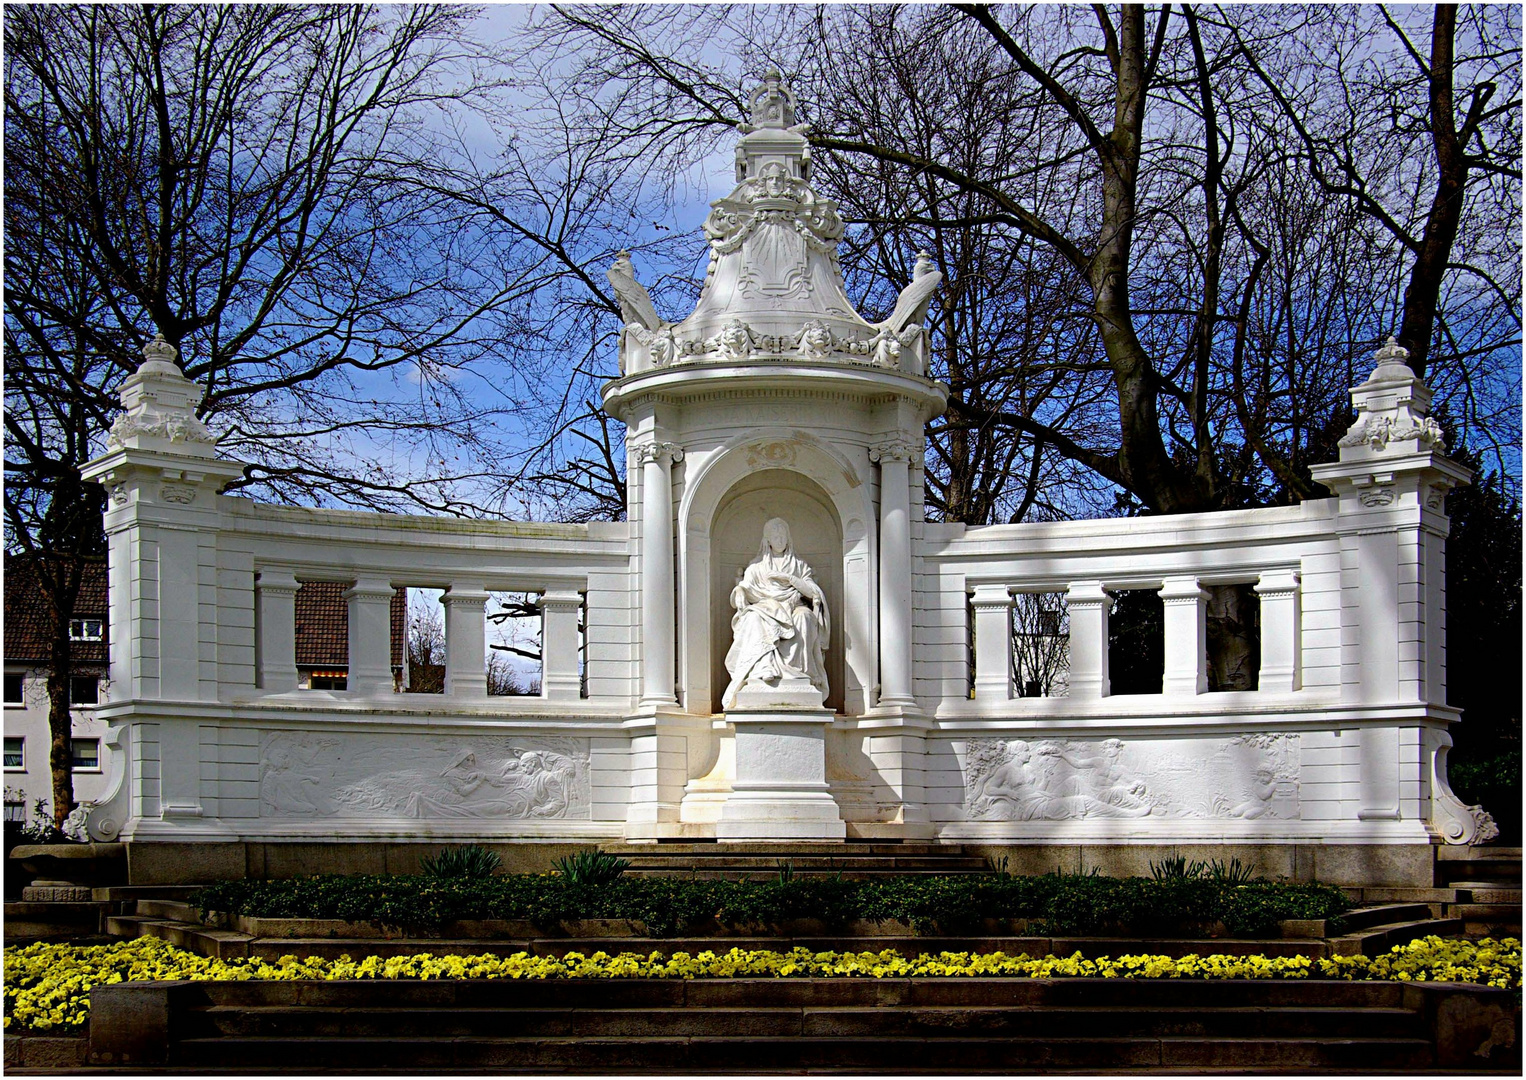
781, 627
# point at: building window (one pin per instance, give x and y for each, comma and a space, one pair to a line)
86, 754
15, 752
328, 680
15, 810
84, 690
87, 629
15, 689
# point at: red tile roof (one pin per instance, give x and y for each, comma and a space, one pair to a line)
27, 621
322, 618
323, 625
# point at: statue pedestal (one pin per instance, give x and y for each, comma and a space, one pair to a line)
780, 791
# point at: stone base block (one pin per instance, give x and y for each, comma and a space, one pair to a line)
780, 791
53, 893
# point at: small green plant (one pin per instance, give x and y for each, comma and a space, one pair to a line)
786, 871
591, 867
998, 869
1175, 867
1233, 874
471, 861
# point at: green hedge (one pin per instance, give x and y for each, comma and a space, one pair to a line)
1060, 904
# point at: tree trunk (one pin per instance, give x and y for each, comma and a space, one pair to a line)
1422, 295
60, 718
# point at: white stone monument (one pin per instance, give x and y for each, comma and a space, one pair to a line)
776, 645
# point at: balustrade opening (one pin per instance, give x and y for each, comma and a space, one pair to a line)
1136, 637
515, 659
1040, 645
1234, 637
425, 671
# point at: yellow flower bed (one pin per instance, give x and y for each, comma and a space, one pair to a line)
47, 987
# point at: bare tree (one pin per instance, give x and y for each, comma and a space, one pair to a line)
245, 181
1130, 146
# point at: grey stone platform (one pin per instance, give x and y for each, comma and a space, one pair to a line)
930, 1026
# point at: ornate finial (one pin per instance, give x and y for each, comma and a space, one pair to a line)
1392, 353
1393, 406
772, 104
159, 351
159, 405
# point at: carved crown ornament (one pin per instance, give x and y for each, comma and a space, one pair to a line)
774, 288
1393, 406
159, 404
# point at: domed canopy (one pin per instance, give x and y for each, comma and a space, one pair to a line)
774, 288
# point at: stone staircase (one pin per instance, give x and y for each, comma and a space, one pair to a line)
1487, 884
1479, 885
724, 1026
760, 862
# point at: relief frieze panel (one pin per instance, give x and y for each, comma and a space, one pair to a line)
478, 777
1245, 777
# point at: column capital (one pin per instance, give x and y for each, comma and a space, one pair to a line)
561, 600
1182, 590
892, 450
1277, 582
276, 582
370, 588
1086, 594
466, 596
660, 453
990, 597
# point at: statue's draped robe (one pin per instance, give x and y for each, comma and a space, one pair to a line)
775, 630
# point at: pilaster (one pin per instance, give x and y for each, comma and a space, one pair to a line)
1088, 604
1186, 637
560, 678
465, 640
370, 616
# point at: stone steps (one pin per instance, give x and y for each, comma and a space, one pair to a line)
227, 944
791, 1055
1379, 939
760, 862
804, 1022
933, 1026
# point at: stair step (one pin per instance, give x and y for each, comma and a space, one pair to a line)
1385, 914
1464, 856
713, 994
791, 849
812, 862
776, 1021
792, 1053
772, 873
144, 892
1379, 939
174, 910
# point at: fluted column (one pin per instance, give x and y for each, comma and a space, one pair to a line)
895, 573
657, 595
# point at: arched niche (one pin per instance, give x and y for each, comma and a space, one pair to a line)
734, 537
738, 486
